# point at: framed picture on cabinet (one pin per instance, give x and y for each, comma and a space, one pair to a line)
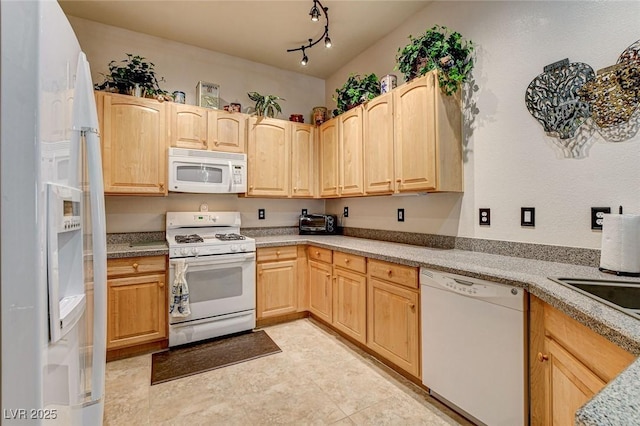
208, 95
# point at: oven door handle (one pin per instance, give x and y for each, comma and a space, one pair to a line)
217, 260
230, 176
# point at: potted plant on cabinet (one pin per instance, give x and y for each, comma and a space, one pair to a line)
266, 105
132, 76
441, 49
355, 91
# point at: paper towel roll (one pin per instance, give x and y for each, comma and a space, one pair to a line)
620, 251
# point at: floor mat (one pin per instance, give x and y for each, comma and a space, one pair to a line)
200, 357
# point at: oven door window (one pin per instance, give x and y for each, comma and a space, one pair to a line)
208, 285
200, 173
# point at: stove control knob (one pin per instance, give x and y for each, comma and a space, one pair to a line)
184, 251
234, 248
194, 250
243, 248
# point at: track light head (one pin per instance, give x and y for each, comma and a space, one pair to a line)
304, 60
315, 12
327, 42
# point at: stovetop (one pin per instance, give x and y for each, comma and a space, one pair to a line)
192, 234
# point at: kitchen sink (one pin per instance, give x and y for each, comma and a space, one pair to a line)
621, 295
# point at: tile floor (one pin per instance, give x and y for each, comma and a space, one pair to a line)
318, 378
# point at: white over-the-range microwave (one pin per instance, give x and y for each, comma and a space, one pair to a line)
208, 172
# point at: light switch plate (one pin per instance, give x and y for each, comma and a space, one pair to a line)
345, 212
304, 211
400, 215
527, 216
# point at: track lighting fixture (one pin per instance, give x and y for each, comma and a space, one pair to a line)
315, 12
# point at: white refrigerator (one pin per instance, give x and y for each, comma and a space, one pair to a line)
52, 225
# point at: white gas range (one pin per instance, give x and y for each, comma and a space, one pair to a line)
219, 269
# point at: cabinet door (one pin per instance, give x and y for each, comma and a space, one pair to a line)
277, 288
188, 126
137, 310
569, 385
227, 131
302, 160
320, 290
349, 304
134, 145
378, 145
415, 135
351, 181
392, 324
328, 175
268, 159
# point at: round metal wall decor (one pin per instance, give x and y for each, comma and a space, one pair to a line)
552, 98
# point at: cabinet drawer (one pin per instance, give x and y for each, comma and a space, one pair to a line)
351, 262
135, 265
267, 254
399, 274
321, 254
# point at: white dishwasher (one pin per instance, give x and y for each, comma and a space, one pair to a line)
473, 346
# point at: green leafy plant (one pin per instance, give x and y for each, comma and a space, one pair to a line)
266, 105
355, 91
133, 71
441, 49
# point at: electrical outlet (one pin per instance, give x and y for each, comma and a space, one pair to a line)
597, 216
345, 213
261, 214
400, 215
527, 216
485, 217
304, 211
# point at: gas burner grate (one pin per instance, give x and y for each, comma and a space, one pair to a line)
185, 239
230, 237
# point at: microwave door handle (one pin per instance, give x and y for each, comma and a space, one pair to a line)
230, 176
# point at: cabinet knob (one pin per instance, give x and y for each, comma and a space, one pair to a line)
278, 253
250, 186
161, 285
260, 273
389, 272
295, 188
161, 185
317, 253
346, 261
412, 306
328, 275
542, 357
217, 143
204, 143
388, 180
135, 266
398, 180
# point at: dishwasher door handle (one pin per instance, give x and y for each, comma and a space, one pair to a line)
463, 282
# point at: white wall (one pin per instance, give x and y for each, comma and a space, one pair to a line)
145, 214
183, 66
510, 162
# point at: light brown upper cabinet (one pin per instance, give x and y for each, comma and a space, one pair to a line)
351, 181
134, 144
428, 135
188, 126
226, 131
268, 157
328, 157
378, 145
303, 170
195, 127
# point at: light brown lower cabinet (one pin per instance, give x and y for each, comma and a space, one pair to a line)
350, 295
393, 324
277, 283
320, 290
137, 301
569, 363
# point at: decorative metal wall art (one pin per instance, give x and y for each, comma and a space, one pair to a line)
572, 103
552, 98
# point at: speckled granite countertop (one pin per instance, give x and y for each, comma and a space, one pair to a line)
152, 248
616, 404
